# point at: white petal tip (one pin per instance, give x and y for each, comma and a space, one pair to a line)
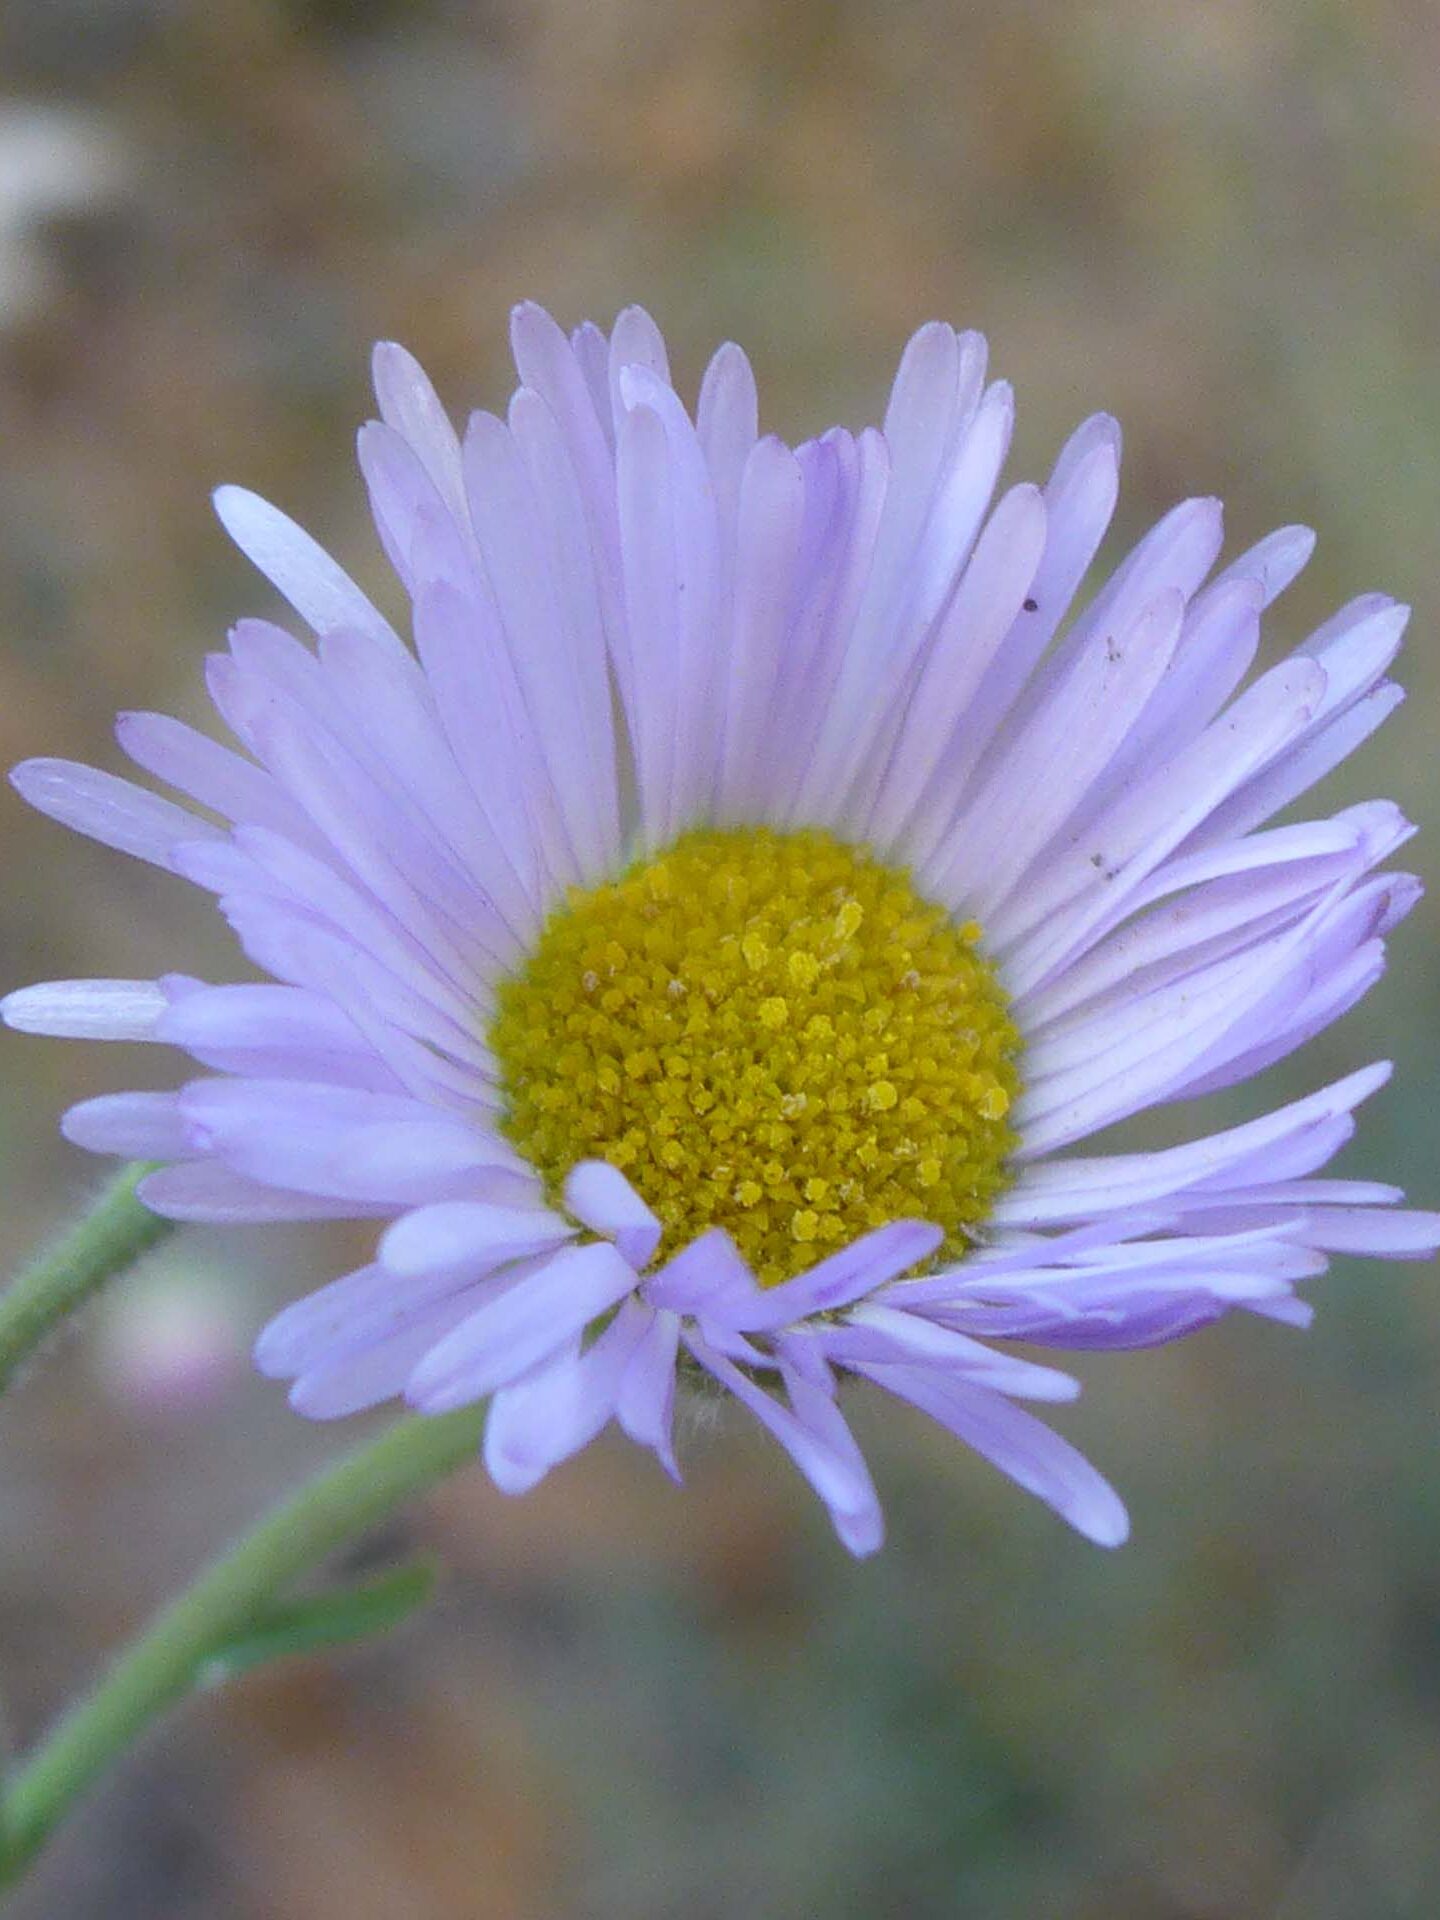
864, 1542
601, 1198
86, 1009
228, 499
1109, 428
74, 1127
13, 1010
22, 773
530, 313
266, 1360
1107, 1524
513, 1477
300, 1402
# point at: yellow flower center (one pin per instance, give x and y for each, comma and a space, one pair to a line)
770, 1033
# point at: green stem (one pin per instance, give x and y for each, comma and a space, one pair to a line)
111, 1237
165, 1662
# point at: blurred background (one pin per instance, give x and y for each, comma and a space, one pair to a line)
1217, 220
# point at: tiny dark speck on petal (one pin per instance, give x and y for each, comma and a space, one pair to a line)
1032, 606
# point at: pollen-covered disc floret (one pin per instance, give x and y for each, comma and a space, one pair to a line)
770, 1033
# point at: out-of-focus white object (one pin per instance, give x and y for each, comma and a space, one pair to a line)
53, 160
172, 1338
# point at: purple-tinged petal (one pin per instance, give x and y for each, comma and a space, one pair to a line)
645, 1405
1112, 1229
1018, 1444
635, 341
1050, 762
366, 1376
1075, 1189
340, 1141
704, 1277
1216, 649
1407, 1235
843, 1277
142, 1126
560, 678
1196, 925
557, 1409
1113, 1066
359, 1310
934, 504
1306, 760
274, 1032
1274, 561
548, 363
198, 766
1062, 912
320, 591
885, 1334
770, 512
410, 406
969, 635
1286, 1310
204, 1190
510, 1335
312, 896
813, 1432
601, 1198
1079, 500
802, 1352
1143, 1322
113, 811
727, 422
87, 1009
469, 1235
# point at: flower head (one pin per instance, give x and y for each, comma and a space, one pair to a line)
698, 951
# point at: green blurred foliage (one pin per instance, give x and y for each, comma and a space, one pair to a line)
1217, 221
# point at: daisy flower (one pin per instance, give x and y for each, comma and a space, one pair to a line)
701, 950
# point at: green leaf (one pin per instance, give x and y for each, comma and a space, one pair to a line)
330, 1619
